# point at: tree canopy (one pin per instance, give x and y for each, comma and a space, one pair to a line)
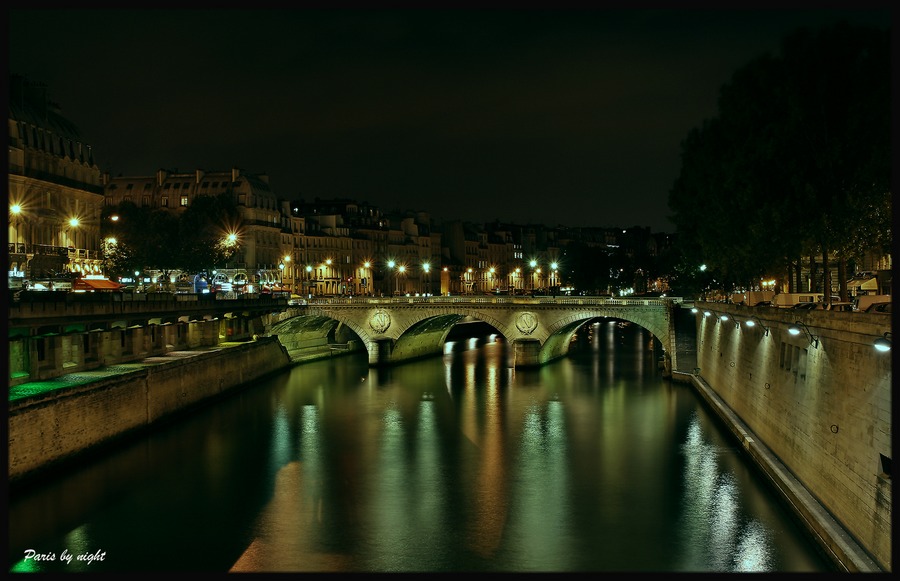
194, 240
796, 162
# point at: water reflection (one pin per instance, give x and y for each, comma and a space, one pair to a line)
455, 463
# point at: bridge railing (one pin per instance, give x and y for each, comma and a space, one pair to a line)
492, 300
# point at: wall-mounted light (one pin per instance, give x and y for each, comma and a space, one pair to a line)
753, 321
706, 313
694, 310
737, 322
723, 317
800, 327
882, 343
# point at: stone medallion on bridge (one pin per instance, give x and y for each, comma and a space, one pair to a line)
526, 323
380, 321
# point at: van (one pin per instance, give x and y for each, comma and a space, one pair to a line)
863, 302
752, 298
788, 300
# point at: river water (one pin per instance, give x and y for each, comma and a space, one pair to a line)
457, 463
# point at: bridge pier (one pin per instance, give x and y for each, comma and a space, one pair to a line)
381, 354
527, 353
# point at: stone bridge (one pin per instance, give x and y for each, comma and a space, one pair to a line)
397, 329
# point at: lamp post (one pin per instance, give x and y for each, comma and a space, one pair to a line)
400, 270
426, 268
390, 265
532, 264
287, 262
15, 211
366, 277
329, 274
281, 268
491, 271
308, 282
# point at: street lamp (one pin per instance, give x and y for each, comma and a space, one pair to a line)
427, 269
882, 343
532, 264
390, 265
400, 270
308, 277
15, 210
753, 321
281, 268
73, 226
800, 327
286, 262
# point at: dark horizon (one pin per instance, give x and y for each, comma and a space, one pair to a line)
559, 117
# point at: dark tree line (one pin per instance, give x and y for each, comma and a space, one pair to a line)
194, 240
796, 164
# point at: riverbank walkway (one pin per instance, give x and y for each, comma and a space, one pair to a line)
36, 388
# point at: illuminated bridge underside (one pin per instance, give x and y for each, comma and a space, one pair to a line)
393, 332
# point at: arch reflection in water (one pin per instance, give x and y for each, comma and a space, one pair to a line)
454, 463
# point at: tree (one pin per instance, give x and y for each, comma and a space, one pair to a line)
195, 241
203, 230
796, 161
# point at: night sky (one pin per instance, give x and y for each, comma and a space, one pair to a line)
528, 116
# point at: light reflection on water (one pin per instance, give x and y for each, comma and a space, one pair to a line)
456, 463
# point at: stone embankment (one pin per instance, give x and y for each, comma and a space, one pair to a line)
51, 423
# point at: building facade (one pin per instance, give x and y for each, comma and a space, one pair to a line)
55, 194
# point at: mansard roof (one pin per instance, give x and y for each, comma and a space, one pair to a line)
29, 103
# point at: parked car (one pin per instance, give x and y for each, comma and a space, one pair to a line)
840, 306
879, 308
808, 306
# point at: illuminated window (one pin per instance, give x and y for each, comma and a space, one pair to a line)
184, 200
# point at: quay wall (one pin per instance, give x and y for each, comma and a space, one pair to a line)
820, 401
54, 427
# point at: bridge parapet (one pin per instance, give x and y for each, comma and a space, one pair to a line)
492, 300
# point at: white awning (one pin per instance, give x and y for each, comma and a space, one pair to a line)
863, 283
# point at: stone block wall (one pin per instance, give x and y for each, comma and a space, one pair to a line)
56, 426
820, 401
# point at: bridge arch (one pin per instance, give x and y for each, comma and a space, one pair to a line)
540, 331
